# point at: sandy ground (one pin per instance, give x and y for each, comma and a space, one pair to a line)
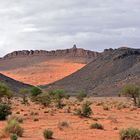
120, 115
44, 73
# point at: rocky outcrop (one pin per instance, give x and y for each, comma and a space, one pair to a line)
72, 52
127, 52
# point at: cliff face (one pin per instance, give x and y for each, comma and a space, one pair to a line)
73, 52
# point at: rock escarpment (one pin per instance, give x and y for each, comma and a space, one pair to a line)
72, 52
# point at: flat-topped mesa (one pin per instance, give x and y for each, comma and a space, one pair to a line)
72, 52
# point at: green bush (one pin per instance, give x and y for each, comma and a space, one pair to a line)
130, 134
44, 99
48, 134
82, 94
96, 126
57, 96
85, 110
5, 110
58, 93
13, 137
35, 91
5, 91
13, 127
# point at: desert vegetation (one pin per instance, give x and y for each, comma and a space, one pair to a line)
56, 113
96, 126
48, 134
81, 95
132, 91
130, 134
85, 110
13, 127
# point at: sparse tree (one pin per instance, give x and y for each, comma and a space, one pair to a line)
132, 91
57, 96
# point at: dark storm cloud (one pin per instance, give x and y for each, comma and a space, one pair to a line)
51, 24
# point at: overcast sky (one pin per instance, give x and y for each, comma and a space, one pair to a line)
58, 24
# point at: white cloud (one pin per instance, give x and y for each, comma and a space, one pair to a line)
51, 24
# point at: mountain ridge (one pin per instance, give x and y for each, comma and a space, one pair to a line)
105, 75
72, 52
43, 67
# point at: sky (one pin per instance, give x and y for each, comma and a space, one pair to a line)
58, 24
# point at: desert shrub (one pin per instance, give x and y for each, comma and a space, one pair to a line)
132, 91
36, 119
24, 92
96, 126
130, 134
115, 128
99, 104
34, 113
57, 96
82, 94
78, 112
25, 114
112, 119
105, 108
95, 119
58, 93
13, 127
5, 110
67, 109
63, 124
13, 117
44, 99
34, 92
13, 137
121, 105
85, 110
5, 91
67, 96
46, 112
48, 134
